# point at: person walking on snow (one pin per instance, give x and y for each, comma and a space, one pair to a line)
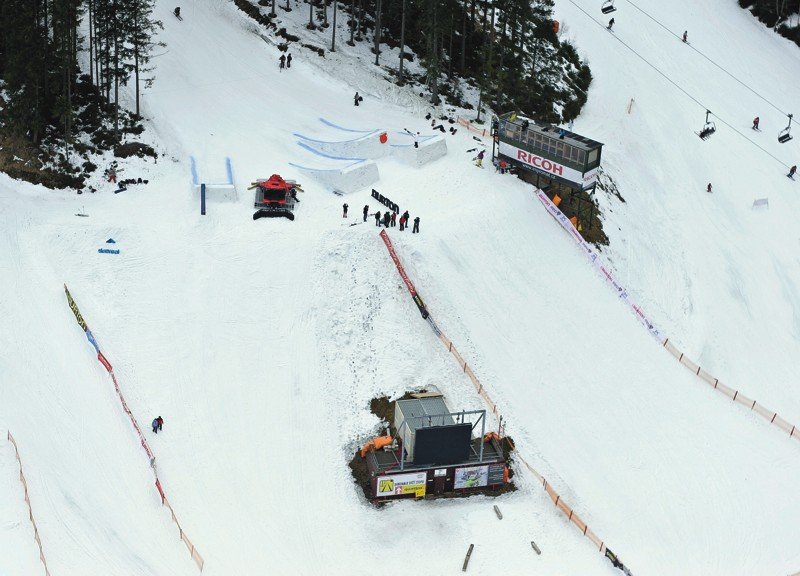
356, 99
289, 60
282, 62
344, 210
394, 219
158, 424
792, 170
755, 123
610, 24
366, 212
415, 229
708, 188
685, 36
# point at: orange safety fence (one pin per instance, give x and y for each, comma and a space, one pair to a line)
28, 502
595, 260
734, 395
198, 559
471, 127
492, 405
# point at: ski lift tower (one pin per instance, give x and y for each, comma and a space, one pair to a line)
551, 158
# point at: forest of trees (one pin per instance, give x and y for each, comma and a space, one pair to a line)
47, 100
509, 49
783, 15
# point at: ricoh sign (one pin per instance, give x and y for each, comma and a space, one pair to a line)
544, 165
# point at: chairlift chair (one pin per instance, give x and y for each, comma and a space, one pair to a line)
708, 129
608, 7
785, 135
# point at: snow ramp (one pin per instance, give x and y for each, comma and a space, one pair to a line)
370, 145
430, 149
348, 179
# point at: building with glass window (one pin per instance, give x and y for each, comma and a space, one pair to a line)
552, 157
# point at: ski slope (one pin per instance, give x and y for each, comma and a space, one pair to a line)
261, 343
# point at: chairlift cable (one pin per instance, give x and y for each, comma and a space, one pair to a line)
678, 86
764, 98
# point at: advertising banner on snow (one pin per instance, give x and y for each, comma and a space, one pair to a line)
471, 477
549, 167
400, 484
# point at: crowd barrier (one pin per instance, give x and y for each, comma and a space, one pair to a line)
28, 502
471, 127
492, 405
594, 259
198, 559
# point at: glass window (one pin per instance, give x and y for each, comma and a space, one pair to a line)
593, 156
581, 156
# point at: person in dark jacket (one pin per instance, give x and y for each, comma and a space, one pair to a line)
366, 212
344, 210
394, 219
357, 99
387, 218
708, 188
158, 424
792, 170
378, 218
610, 24
415, 230
282, 60
288, 60
685, 36
756, 120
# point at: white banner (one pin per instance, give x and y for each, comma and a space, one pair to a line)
549, 166
399, 484
599, 265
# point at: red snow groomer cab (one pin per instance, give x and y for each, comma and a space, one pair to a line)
275, 197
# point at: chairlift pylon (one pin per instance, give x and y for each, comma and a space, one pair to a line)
785, 134
708, 129
608, 7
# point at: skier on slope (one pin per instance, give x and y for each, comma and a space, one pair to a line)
685, 36
177, 12
755, 123
158, 424
610, 24
792, 170
366, 212
708, 188
357, 99
282, 60
415, 230
344, 210
479, 159
289, 60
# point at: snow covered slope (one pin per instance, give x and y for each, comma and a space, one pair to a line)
261, 343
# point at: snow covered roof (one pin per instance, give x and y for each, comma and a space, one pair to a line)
415, 410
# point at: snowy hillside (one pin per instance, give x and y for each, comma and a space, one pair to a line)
262, 342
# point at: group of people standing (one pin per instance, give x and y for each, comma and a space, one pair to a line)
285, 61
389, 218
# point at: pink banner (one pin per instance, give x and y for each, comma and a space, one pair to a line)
393, 254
